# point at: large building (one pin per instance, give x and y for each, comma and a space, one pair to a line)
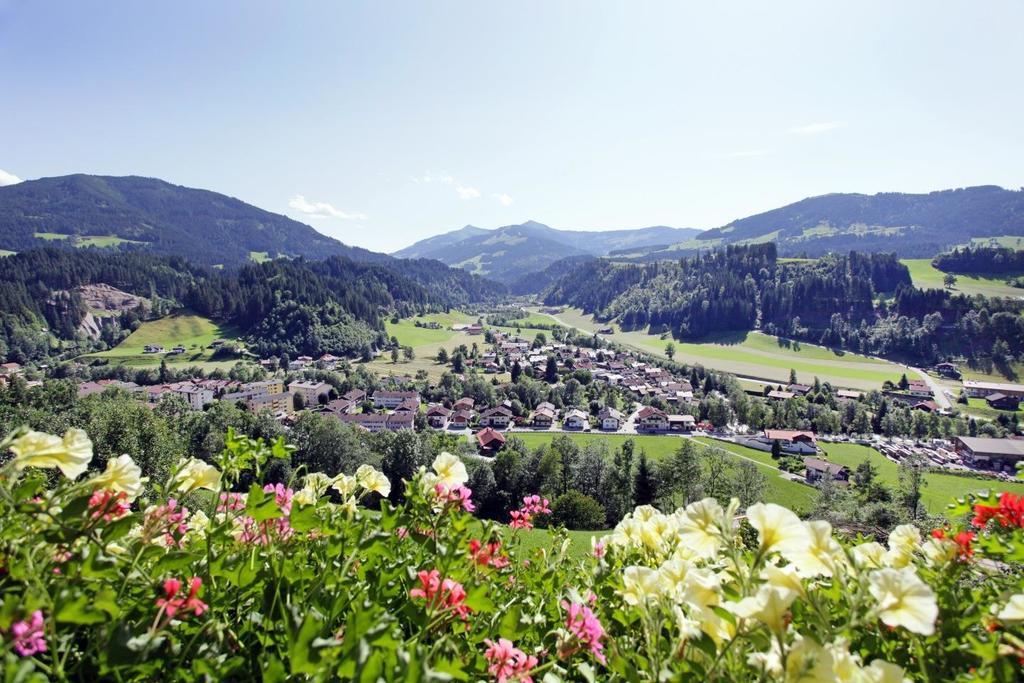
392, 399
978, 389
310, 391
997, 452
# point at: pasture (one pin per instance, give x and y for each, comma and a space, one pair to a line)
926, 276
194, 332
88, 240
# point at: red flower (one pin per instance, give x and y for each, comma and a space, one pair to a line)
489, 555
1010, 512
587, 629
108, 505
171, 604
506, 662
445, 594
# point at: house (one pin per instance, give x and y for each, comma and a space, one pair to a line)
928, 406
328, 361
267, 386
310, 391
464, 403
371, 422
152, 348
474, 329
196, 397
918, 387
341, 406
543, 417
489, 441
681, 423
437, 416
651, 419
791, 440
409, 405
398, 421
777, 395
392, 399
799, 389
275, 403
977, 389
847, 395
355, 395
498, 417
576, 419
460, 419
610, 418
1001, 453
815, 470
947, 370
1001, 401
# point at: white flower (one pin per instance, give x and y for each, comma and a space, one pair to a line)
71, 455
820, 555
642, 584
373, 480
870, 555
318, 483
701, 588
699, 527
904, 600
1014, 610
122, 475
344, 484
779, 529
903, 541
305, 496
450, 470
196, 474
939, 551
769, 606
198, 523
882, 671
786, 578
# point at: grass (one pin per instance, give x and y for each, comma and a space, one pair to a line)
979, 408
88, 240
940, 489
51, 236
780, 490
926, 276
194, 332
6, 252
579, 546
425, 343
259, 256
1008, 241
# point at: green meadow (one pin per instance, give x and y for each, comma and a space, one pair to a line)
926, 276
194, 332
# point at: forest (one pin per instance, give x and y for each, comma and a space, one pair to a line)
981, 260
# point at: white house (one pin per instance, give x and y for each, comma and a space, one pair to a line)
610, 418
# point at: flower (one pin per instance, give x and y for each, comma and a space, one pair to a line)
506, 662
305, 496
820, 555
71, 454
318, 483
121, 476
441, 594
450, 470
1013, 612
171, 604
881, 671
903, 541
488, 555
532, 506
28, 636
458, 496
778, 528
166, 524
196, 474
904, 599
344, 484
586, 628
1010, 511
108, 505
769, 606
642, 584
373, 480
699, 527
870, 555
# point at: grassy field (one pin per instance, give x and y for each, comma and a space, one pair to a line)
756, 355
1008, 241
6, 252
926, 276
579, 546
194, 332
425, 343
780, 490
940, 489
89, 240
259, 256
979, 408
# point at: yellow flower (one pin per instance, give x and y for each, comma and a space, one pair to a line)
318, 483
701, 588
820, 555
778, 528
809, 662
71, 455
939, 551
344, 484
689, 629
882, 671
699, 527
349, 507
1014, 610
904, 600
903, 541
198, 523
373, 480
305, 496
196, 474
870, 555
642, 584
450, 470
769, 606
121, 476
786, 578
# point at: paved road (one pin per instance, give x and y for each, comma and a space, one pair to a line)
940, 394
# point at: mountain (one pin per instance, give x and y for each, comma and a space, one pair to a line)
146, 213
913, 225
508, 253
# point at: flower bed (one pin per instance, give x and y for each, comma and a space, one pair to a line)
101, 577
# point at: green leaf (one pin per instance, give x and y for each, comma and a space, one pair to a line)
261, 506
304, 517
303, 657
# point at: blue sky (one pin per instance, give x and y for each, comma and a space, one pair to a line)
384, 122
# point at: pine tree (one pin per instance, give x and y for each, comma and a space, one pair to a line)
517, 371
644, 486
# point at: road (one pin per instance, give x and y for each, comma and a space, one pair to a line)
940, 394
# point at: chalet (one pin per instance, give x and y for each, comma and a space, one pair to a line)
977, 389
576, 419
464, 403
176, 351
355, 395
543, 417
460, 419
392, 399
948, 370
341, 406
498, 417
928, 406
475, 329
1001, 401
152, 348
651, 419
799, 389
437, 416
681, 423
409, 405
791, 440
310, 391
489, 441
778, 395
918, 387
328, 361
398, 421
610, 418
268, 364
816, 470
1001, 453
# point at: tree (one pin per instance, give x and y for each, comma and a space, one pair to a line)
904, 383
776, 449
394, 354
517, 371
575, 510
298, 402
749, 484
911, 478
551, 370
679, 476
670, 350
458, 364
645, 486
442, 356
408, 353
620, 484
792, 376
949, 280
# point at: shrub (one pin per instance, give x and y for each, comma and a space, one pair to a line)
575, 510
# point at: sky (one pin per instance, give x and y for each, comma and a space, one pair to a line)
381, 123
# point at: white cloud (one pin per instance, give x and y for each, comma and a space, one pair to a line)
467, 192
322, 209
816, 128
8, 178
503, 199
745, 153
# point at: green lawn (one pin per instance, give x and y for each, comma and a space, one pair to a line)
579, 547
979, 408
6, 252
51, 236
941, 488
194, 332
425, 343
925, 276
1008, 241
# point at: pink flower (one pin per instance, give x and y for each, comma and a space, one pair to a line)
599, 549
167, 521
456, 496
231, 502
108, 505
443, 594
532, 506
264, 532
587, 629
27, 636
506, 662
171, 604
489, 555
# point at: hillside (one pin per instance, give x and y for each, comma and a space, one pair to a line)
510, 252
146, 213
913, 225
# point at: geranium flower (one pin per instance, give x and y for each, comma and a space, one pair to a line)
172, 603
904, 600
196, 474
122, 475
107, 505
1010, 512
441, 593
488, 555
71, 454
586, 628
28, 637
506, 662
450, 470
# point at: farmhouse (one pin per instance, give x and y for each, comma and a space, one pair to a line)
651, 419
576, 419
815, 470
918, 387
998, 452
977, 389
681, 423
437, 416
496, 417
610, 418
791, 440
152, 348
392, 399
489, 441
1001, 401
461, 419
948, 370
310, 391
543, 417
